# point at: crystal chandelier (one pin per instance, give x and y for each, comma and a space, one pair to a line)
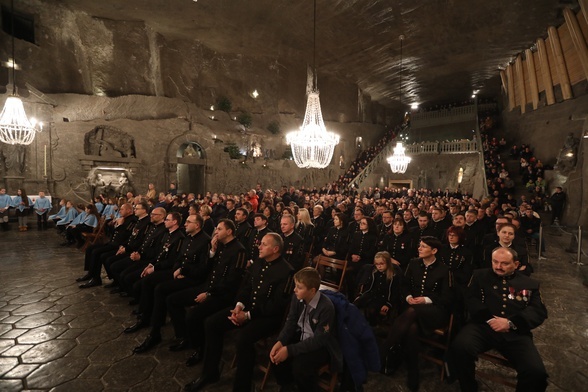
313, 146
399, 161
15, 127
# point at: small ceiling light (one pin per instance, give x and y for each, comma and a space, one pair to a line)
255, 94
414, 106
570, 154
212, 108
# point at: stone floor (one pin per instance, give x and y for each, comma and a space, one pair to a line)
54, 336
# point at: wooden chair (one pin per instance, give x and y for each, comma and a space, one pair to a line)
328, 266
327, 380
95, 236
497, 359
440, 340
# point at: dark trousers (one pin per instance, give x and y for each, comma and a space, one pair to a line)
131, 275
190, 324
145, 289
118, 266
518, 349
93, 258
74, 234
110, 261
215, 328
302, 369
42, 220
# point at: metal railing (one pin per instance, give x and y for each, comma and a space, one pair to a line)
374, 163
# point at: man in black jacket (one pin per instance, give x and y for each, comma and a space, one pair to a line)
97, 253
504, 307
189, 270
257, 314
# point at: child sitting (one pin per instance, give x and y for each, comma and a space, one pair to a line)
380, 295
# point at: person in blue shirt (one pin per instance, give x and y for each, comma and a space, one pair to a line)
60, 214
86, 224
5, 204
22, 203
42, 206
70, 214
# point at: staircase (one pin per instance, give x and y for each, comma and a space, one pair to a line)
373, 164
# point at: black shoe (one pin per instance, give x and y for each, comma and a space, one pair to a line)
194, 359
150, 342
111, 285
200, 383
134, 302
136, 312
413, 379
123, 294
84, 278
140, 324
180, 346
91, 283
116, 290
392, 361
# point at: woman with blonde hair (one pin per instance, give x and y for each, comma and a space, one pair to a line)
304, 227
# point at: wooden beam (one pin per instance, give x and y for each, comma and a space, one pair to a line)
584, 8
545, 71
503, 80
521, 82
530, 61
511, 89
560, 63
577, 38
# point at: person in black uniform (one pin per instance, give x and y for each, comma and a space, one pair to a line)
336, 242
438, 223
504, 307
96, 253
398, 243
259, 230
227, 256
258, 313
385, 227
133, 243
423, 229
320, 229
428, 300
458, 258
139, 259
293, 243
242, 227
156, 271
506, 237
380, 295
189, 270
362, 249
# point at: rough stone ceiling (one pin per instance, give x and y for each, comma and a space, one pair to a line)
451, 47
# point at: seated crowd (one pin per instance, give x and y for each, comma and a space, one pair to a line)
225, 262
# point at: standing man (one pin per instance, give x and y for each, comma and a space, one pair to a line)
557, 200
504, 307
257, 314
42, 206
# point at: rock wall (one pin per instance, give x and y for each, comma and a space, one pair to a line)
92, 73
546, 130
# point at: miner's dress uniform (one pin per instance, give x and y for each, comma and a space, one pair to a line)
221, 285
265, 295
517, 298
